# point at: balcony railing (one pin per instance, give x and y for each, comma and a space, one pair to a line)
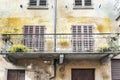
65, 43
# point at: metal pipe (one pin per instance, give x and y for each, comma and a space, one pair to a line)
55, 23
55, 68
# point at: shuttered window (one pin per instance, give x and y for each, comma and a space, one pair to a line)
38, 3
78, 2
87, 2
34, 37
33, 2
83, 3
42, 2
82, 38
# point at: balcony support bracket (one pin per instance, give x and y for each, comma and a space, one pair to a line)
61, 58
9, 59
106, 59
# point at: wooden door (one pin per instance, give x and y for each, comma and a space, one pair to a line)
83, 74
16, 75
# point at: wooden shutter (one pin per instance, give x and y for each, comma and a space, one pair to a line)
74, 42
116, 69
91, 39
78, 2
87, 2
16, 75
79, 38
35, 39
84, 42
40, 39
33, 3
42, 2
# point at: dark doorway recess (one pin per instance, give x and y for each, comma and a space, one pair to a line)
83, 74
16, 75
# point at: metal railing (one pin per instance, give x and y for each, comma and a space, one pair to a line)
69, 43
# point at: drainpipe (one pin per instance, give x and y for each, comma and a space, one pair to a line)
55, 68
55, 23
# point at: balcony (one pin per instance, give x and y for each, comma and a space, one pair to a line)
98, 46
65, 43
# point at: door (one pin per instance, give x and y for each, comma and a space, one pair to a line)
16, 75
83, 74
115, 69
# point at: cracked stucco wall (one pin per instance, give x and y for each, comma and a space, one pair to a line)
102, 72
12, 16
38, 67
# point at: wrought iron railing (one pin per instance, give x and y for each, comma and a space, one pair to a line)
69, 43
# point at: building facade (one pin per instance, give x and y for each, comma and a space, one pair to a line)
57, 40
117, 11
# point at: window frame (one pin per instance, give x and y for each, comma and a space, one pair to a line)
38, 6
83, 6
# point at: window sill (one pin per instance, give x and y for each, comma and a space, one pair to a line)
38, 7
83, 7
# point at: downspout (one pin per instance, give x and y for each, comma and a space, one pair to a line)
54, 68
55, 23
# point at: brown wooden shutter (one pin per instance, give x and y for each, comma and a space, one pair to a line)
74, 42
91, 39
16, 75
40, 39
84, 41
79, 39
35, 39
115, 69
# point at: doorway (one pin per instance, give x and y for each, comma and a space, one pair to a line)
83, 74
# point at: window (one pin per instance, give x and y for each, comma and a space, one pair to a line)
82, 38
87, 2
83, 4
34, 37
38, 4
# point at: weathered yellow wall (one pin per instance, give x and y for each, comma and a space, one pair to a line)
13, 16
102, 72
37, 65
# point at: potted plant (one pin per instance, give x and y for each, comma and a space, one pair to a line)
19, 48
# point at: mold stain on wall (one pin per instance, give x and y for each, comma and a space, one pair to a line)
9, 25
